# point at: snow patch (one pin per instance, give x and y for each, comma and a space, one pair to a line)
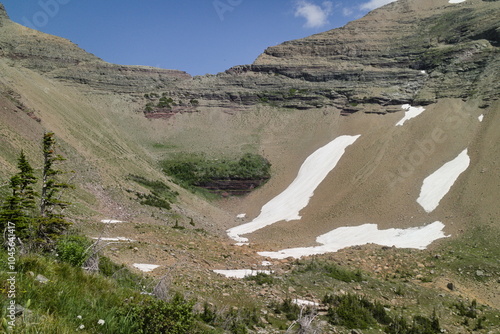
145, 267
266, 263
111, 221
241, 273
287, 205
114, 239
456, 1
437, 185
342, 237
241, 215
480, 118
411, 112
303, 302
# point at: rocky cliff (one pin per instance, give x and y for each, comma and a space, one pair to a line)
406, 52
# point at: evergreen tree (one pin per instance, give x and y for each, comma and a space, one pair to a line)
51, 223
27, 180
18, 206
11, 208
50, 197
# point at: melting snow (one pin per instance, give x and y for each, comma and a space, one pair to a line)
114, 239
241, 273
287, 205
342, 237
480, 118
266, 263
241, 215
145, 267
110, 221
303, 302
410, 113
456, 1
437, 185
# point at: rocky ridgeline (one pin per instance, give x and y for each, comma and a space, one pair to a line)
61, 59
406, 52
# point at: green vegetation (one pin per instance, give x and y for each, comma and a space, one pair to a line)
260, 278
157, 316
331, 270
73, 249
155, 101
474, 254
353, 311
19, 215
288, 308
160, 196
194, 170
73, 300
236, 321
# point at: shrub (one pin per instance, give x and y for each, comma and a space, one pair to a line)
195, 170
331, 270
261, 278
73, 249
350, 311
154, 316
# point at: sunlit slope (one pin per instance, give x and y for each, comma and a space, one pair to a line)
379, 178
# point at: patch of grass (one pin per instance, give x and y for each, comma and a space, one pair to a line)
330, 270
288, 308
474, 254
261, 279
160, 196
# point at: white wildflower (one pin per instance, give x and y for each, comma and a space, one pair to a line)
100, 322
79, 317
81, 327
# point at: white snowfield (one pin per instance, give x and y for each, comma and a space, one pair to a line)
287, 205
241, 273
114, 239
410, 113
145, 267
111, 221
437, 185
342, 237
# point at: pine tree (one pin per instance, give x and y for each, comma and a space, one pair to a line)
50, 197
51, 223
27, 180
18, 206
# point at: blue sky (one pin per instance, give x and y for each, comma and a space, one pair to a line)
196, 36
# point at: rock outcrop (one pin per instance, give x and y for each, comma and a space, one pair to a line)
406, 52
61, 59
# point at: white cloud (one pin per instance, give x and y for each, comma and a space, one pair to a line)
316, 16
347, 11
372, 4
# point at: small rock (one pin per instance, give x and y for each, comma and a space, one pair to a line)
42, 279
291, 289
479, 273
450, 286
